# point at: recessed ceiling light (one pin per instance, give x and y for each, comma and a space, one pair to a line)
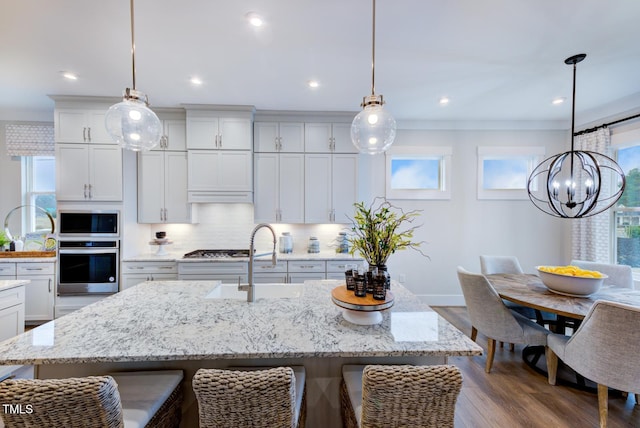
255, 19
558, 100
444, 101
69, 76
196, 81
313, 83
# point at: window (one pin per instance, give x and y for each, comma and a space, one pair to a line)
418, 173
39, 191
503, 172
627, 210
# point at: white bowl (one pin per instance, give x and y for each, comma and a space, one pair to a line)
569, 285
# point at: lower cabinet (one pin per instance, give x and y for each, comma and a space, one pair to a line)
336, 268
40, 292
226, 272
11, 312
134, 273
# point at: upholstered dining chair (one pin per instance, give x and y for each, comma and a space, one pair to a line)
510, 264
604, 349
619, 275
387, 396
119, 400
491, 317
255, 397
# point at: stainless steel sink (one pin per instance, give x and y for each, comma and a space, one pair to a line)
262, 291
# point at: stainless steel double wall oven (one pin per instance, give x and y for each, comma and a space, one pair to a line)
88, 252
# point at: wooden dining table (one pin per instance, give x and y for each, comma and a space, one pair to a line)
528, 290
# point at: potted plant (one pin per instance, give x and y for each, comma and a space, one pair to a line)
377, 232
4, 240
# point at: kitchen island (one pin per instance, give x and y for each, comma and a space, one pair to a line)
172, 324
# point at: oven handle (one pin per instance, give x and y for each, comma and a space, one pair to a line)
89, 251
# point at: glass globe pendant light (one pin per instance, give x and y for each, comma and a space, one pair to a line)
576, 183
373, 129
131, 123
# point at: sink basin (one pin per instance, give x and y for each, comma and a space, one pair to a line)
262, 291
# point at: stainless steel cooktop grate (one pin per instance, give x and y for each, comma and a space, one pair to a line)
213, 254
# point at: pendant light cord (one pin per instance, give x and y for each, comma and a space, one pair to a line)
133, 49
373, 52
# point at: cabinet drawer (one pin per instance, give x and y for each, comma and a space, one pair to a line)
11, 297
265, 266
307, 266
35, 269
218, 268
149, 267
341, 265
7, 269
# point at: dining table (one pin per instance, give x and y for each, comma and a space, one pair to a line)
529, 290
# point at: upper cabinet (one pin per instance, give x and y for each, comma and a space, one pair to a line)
88, 172
328, 138
219, 130
273, 137
174, 135
78, 125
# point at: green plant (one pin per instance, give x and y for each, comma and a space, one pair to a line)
633, 232
377, 233
3, 239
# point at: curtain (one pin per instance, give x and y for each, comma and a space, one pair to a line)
591, 236
30, 140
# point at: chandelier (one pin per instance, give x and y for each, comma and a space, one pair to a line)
576, 183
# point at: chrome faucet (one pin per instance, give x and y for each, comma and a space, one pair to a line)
250, 287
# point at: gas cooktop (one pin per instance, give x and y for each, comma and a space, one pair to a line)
216, 254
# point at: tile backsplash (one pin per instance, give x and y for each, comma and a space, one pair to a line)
230, 225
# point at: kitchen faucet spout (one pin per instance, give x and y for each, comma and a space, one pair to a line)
250, 287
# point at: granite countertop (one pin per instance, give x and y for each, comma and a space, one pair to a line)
172, 320
12, 283
301, 256
28, 259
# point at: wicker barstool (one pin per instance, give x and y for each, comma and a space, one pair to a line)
269, 398
147, 399
388, 396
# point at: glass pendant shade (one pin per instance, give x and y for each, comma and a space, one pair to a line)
373, 129
133, 125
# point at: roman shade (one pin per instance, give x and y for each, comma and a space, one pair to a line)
29, 140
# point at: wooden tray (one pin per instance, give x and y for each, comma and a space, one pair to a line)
26, 254
347, 300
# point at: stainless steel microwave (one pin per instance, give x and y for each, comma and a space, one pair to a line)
88, 224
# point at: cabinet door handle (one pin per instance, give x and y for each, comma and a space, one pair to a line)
85, 191
275, 142
49, 285
220, 140
90, 191
166, 216
84, 134
165, 267
135, 267
30, 269
165, 141
89, 134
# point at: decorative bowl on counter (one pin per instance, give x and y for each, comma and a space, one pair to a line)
570, 282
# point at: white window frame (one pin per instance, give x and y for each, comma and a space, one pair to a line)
28, 194
533, 154
441, 153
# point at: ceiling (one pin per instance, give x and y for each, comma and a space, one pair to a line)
497, 60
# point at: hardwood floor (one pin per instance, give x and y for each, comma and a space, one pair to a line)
514, 395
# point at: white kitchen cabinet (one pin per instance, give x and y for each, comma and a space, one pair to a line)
215, 130
162, 187
88, 172
134, 273
79, 125
39, 293
226, 272
279, 188
328, 138
273, 137
265, 273
336, 268
174, 135
220, 176
11, 312
331, 187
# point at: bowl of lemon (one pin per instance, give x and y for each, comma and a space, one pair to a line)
571, 280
